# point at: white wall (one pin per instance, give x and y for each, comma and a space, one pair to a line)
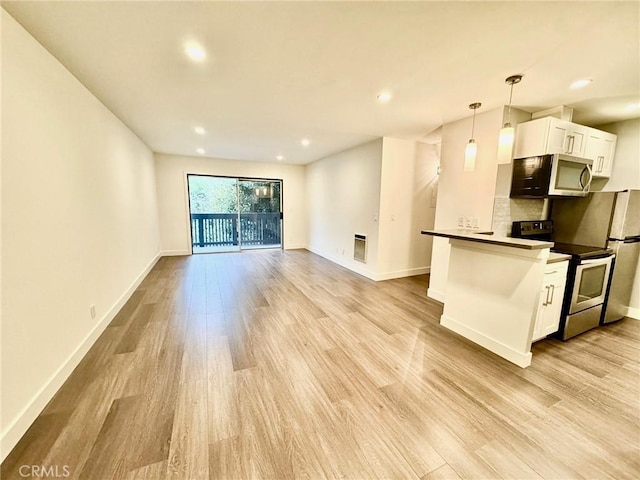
343, 198
383, 189
173, 202
79, 224
409, 182
460, 193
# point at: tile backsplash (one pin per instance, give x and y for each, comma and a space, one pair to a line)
508, 210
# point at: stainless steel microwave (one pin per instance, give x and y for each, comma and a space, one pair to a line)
551, 176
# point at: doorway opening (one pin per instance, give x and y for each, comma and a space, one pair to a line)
231, 214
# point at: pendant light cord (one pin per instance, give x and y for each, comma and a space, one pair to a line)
474, 107
509, 111
512, 80
473, 123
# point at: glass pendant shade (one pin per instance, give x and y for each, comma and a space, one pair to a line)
506, 137
470, 156
505, 145
472, 147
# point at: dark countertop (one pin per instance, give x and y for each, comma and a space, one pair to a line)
489, 237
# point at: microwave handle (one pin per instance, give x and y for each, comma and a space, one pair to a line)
586, 187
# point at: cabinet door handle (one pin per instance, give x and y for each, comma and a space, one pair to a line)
572, 139
546, 298
553, 290
551, 273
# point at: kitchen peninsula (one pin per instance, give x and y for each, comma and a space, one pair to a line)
493, 290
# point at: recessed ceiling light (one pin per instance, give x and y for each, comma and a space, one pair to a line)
633, 106
581, 83
305, 142
279, 158
384, 96
200, 130
200, 151
195, 52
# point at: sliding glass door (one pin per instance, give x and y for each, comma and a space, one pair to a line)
213, 204
260, 213
230, 214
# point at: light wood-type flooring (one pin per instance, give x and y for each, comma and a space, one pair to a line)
283, 365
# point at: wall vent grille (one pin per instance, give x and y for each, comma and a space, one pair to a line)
360, 248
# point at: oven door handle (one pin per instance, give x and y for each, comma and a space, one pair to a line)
603, 261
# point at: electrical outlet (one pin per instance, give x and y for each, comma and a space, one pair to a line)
92, 311
468, 223
474, 222
461, 221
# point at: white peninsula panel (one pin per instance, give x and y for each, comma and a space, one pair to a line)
493, 290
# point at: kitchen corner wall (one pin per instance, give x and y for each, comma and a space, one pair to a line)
173, 198
460, 193
408, 190
384, 189
79, 224
507, 210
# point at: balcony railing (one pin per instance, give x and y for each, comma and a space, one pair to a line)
221, 229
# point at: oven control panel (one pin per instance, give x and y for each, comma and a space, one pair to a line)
532, 228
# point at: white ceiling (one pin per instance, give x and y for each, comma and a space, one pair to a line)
279, 71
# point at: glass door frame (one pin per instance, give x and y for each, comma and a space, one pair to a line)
240, 213
237, 179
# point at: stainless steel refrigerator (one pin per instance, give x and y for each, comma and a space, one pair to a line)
605, 219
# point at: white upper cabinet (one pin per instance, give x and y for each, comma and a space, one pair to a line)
600, 148
550, 135
566, 137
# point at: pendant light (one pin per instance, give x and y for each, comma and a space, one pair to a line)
472, 147
505, 140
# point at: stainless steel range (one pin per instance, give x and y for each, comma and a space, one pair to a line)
587, 280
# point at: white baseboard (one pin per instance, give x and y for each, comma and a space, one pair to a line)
174, 253
435, 294
14, 432
340, 261
633, 313
521, 359
411, 272
365, 272
295, 247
